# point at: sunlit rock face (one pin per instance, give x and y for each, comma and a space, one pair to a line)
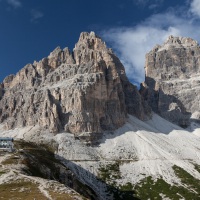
84, 92
172, 83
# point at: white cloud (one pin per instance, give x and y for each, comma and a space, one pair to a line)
36, 15
195, 7
14, 3
131, 44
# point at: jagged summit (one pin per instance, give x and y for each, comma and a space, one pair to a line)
176, 57
91, 40
184, 41
172, 79
173, 42
84, 92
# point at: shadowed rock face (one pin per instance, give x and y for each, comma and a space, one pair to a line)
172, 80
84, 92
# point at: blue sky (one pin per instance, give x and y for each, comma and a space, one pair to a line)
31, 29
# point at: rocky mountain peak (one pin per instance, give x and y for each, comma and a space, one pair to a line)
84, 92
184, 41
91, 40
172, 79
173, 42
89, 47
60, 56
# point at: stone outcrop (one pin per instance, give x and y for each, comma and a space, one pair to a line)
172, 80
84, 92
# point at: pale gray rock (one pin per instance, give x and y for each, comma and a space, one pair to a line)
84, 92
172, 82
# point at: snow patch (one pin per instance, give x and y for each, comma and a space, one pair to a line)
143, 149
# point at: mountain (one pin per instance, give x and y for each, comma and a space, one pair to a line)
172, 80
84, 92
77, 120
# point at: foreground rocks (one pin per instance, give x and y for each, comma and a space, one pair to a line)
84, 92
172, 80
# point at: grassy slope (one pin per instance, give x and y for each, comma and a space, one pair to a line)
149, 188
145, 189
35, 161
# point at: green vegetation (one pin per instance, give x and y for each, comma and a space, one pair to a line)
12, 160
197, 167
189, 181
2, 172
40, 161
109, 173
121, 194
20, 190
60, 196
24, 189
126, 192
150, 189
127, 187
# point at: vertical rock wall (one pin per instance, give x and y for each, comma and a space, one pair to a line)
84, 92
172, 83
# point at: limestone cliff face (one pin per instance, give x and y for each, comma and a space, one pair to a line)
172, 80
83, 92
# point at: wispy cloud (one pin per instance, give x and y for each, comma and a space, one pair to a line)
195, 7
36, 15
132, 43
14, 3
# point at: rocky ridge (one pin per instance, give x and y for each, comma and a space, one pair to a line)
84, 92
139, 159
172, 80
